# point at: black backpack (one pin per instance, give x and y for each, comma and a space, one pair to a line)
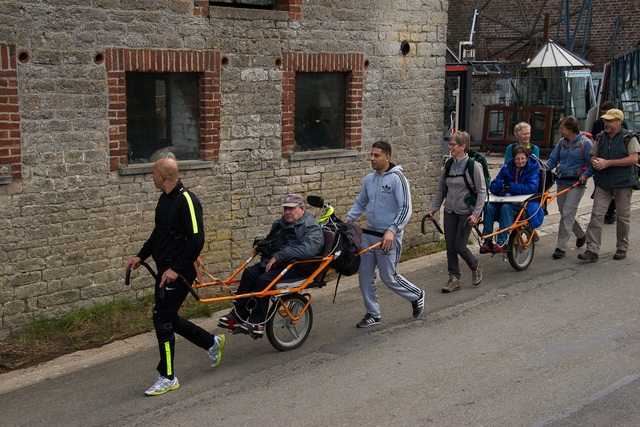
347, 240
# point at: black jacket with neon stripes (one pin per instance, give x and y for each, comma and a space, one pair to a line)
178, 236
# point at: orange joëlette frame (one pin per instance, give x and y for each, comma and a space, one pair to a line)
270, 289
545, 198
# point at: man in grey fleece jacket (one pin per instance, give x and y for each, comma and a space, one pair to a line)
386, 200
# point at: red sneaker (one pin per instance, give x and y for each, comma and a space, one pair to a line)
486, 248
497, 249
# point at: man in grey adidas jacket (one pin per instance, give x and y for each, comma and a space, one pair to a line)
386, 200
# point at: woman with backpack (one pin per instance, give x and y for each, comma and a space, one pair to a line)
463, 192
570, 157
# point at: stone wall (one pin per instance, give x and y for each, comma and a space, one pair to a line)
74, 211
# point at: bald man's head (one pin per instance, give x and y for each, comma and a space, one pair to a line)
165, 174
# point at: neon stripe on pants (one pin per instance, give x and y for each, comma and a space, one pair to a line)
167, 350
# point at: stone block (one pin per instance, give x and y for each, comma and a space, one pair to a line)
62, 298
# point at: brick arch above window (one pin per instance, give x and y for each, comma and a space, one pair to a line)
351, 63
119, 61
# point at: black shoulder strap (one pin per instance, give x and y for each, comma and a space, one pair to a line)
447, 166
628, 134
599, 138
447, 170
470, 165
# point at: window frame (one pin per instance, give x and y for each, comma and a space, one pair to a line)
353, 64
206, 64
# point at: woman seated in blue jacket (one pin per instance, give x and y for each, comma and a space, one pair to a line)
521, 175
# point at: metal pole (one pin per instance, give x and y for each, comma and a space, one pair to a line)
566, 24
473, 25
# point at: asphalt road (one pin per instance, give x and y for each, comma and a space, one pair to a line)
556, 345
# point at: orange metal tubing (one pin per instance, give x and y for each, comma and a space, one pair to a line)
545, 198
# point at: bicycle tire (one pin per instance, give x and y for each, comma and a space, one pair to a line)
519, 257
284, 334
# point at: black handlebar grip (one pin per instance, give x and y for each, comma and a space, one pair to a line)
189, 288
127, 278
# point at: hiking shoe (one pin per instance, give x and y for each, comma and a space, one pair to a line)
610, 219
588, 256
452, 285
476, 275
580, 241
215, 351
559, 254
230, 320
486, 248
162, 385
620, 254
417, 305
256, 331
369, 320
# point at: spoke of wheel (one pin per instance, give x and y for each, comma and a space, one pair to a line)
293, 331
282, 322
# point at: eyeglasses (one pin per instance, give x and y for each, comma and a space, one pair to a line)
288, 208
453, 144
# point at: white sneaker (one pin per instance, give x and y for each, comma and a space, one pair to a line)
162, 385
215, 351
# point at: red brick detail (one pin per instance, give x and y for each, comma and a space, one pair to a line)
10, 146
351, 63
207, 63
294, 7
201, 8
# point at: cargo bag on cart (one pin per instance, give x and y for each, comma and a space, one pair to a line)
347, 241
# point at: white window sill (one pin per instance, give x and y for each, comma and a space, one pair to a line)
144, 168
322, 154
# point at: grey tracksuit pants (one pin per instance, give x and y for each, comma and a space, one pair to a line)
386, 263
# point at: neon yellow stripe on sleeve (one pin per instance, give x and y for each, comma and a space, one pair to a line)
192, 211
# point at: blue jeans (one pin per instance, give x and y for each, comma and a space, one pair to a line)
505, 213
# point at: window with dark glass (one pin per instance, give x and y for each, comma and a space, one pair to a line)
162, 116
320, 111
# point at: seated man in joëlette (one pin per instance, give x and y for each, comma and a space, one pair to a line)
296, 235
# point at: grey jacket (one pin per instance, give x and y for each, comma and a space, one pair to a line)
457, 189
386, 199
302, 239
